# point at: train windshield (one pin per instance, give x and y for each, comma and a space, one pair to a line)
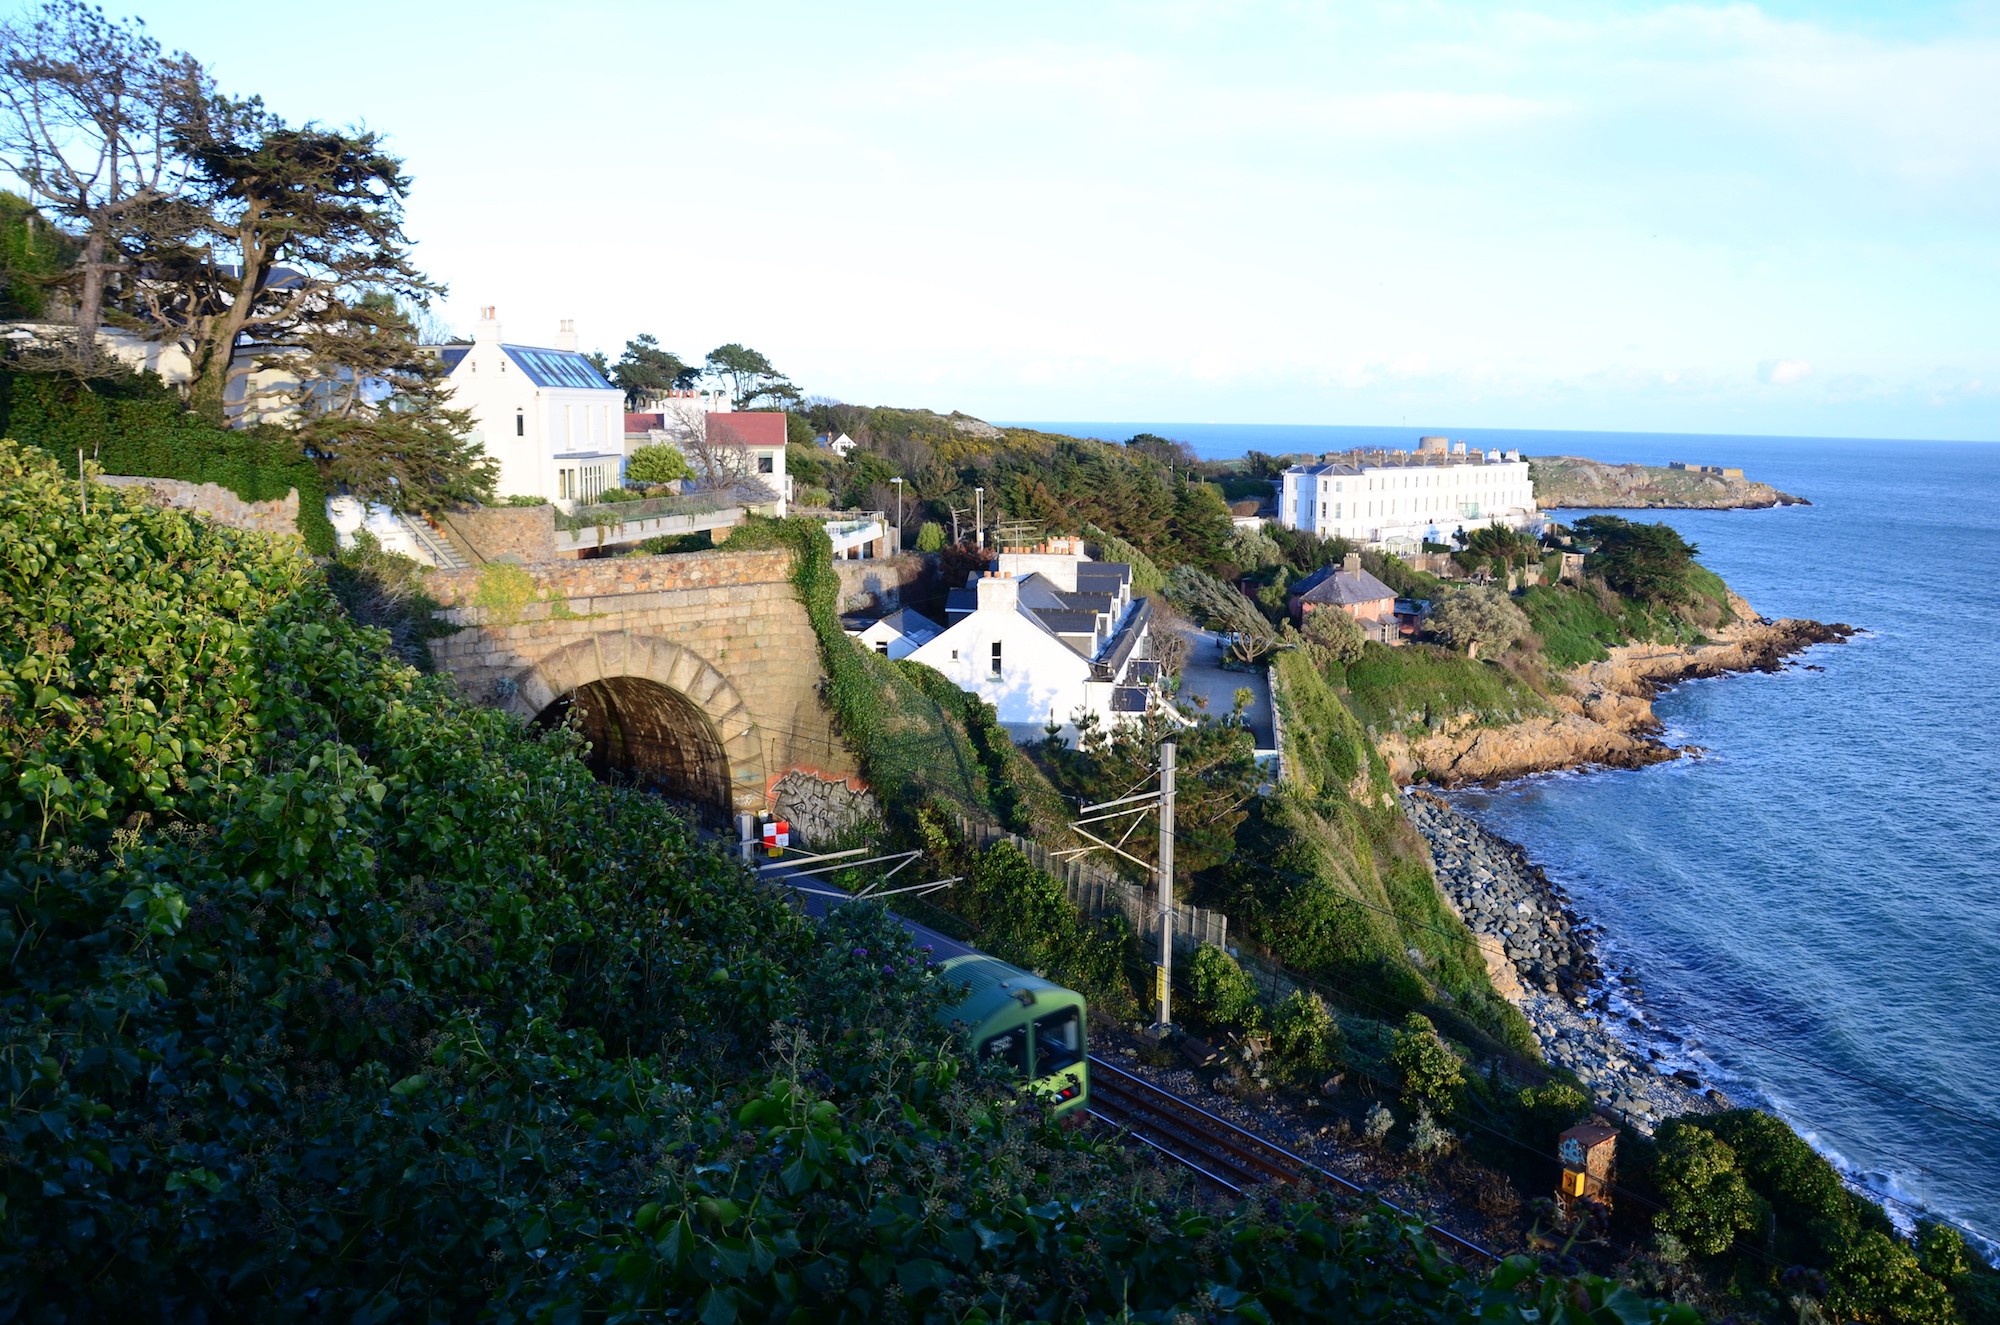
1058, 1041
1009, 1047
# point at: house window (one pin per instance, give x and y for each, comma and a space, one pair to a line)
520, 424
996, 658
954, 655
763, 464
883, 648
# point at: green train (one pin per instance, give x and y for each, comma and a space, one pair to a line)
1037, 1028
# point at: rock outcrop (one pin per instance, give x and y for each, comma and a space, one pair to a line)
1606, 720
1567, 482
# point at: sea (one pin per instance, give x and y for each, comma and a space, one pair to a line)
1811, 903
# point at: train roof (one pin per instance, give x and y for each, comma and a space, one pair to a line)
990, 983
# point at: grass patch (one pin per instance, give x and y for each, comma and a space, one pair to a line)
1424, 685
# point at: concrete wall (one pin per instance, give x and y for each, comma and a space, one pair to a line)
217, 502
877, 587
724, 629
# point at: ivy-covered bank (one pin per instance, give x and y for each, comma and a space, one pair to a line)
317, 1005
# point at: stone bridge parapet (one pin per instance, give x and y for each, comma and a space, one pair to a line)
697, 671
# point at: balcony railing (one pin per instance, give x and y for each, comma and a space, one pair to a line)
608, 515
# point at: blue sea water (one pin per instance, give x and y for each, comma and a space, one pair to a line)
1812, 906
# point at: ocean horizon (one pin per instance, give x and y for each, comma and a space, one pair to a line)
1810, 900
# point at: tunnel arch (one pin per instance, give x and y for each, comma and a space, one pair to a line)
648, 734
654, 710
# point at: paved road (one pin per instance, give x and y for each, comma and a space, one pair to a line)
1203, 675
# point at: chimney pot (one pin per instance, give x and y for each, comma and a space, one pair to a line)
1351, 563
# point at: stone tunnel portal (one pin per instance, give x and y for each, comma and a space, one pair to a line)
651, 735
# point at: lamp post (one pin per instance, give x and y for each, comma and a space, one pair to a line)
979, 518
899, 513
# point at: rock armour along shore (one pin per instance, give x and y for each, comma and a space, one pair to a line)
1607, 718
1543, 959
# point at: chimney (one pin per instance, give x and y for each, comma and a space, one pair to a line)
999, 593
489, 325
1458, 448
1351, 563
566, 337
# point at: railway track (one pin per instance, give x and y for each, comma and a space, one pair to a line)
1214, 1148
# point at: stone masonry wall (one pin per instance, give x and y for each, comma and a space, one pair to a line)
723, 628
217, 502
522, 534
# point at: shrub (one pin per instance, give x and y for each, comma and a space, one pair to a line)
1471, 616
661, 463
1378, 1123
1649, 562
1427, 1139
1305, 1037
1432, 1072
518, 500
1222, 989
1941, 1250
1706, 1201
1878, 1281
1552, 1108
1335, 636
930, 538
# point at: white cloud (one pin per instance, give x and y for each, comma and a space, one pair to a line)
1783, 372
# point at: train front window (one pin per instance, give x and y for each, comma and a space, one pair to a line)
1009, 1047
1058, 1042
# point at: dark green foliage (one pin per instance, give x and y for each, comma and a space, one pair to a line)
645, 371
1706, 1201
33, 256
753, 382
318, 1004
1022, 915
1573, 627
1222, 991
386, 590
661, 463
1305, 1038
137, 425
1649, 562
1551, 1109
1498, 549
1393, 571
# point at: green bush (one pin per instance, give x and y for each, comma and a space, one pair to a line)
1222, 989
1878, 1281
1706, 1202
1432, 1072
1305, 1038
930, 538
1551, 1109
660, 463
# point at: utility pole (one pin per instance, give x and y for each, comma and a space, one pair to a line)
1166, 977
1163, 801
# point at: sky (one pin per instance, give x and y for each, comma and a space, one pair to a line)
1738, 218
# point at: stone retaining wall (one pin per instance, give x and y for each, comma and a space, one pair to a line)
525, 535
876, 588
217, 503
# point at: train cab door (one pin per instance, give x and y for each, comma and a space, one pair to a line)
1059, 1052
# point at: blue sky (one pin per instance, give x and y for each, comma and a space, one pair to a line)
1693, 217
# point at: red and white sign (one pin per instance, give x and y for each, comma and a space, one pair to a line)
777, 834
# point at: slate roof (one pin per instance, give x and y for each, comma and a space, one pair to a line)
912, 623
1128, 699
1337, 587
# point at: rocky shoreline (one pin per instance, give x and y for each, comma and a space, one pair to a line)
1606, 718
1543, 958
1567, 482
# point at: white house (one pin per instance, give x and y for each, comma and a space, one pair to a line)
753, 440
839, 445
1399, 499
1046, 637
897, 635
547, 415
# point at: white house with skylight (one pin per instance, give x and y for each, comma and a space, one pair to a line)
548, 416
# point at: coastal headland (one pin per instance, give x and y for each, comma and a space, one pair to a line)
1604, 711
1567, 482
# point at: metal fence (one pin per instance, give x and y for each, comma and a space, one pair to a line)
611, 514
1098, 892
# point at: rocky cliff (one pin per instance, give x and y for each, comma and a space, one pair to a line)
1606, 719
1573, 483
